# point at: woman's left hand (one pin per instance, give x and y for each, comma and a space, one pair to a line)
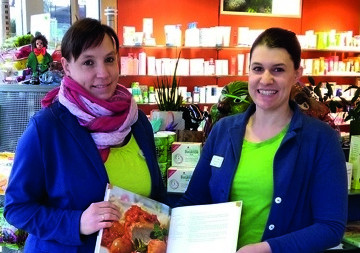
97, 216
261, 247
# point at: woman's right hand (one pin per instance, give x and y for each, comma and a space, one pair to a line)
97, 216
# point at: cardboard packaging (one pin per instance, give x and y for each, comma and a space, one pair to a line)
185, 154
178, 179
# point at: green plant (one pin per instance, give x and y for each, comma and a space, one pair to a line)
326, 98
167, 89
353, 112
350, 107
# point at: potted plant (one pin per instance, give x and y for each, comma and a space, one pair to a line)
353, 112
350, 107
168, 116
167, 89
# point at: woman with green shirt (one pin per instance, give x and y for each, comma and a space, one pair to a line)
89, 133
287, 168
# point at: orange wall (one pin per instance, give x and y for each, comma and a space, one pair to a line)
331, 14
132, 12
316, 15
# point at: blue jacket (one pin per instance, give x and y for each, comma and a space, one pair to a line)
57, 174
309, 208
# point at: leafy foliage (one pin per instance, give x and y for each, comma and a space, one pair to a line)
354, 111
167, 88
159, 233
17, 41
140, 246
351, 108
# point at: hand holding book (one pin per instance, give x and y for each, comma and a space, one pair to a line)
150, 226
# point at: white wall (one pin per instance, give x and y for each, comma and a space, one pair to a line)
23, 11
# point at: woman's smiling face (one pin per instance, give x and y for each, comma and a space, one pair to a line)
96, 69
271, 76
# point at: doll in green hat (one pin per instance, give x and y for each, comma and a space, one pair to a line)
39, 59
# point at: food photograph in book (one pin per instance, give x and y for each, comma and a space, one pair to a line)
143, 226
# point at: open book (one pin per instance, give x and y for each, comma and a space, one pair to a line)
150, 226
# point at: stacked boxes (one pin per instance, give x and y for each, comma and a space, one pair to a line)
185, 156
163, 141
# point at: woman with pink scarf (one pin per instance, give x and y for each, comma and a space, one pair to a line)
89, 133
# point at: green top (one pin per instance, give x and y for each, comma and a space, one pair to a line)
32, 63
126, 167
253, 184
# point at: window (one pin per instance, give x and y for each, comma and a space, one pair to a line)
50, 17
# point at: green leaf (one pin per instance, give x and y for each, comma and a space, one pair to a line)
140, 246
317, 91
311, 80
167, 89
158, 232
330, 92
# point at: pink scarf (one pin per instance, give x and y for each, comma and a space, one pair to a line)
108, 121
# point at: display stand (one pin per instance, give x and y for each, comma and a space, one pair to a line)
18, 103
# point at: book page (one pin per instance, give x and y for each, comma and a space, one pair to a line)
205, 228
144, 224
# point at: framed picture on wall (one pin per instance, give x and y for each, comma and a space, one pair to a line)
276, 8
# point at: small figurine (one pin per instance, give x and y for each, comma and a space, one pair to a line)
39, 59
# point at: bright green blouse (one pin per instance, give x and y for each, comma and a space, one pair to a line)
253, 184
126, 167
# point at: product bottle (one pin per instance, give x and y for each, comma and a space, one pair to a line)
142, 63
232, 65
136, 92
145, 97
130, 64
211, 67
135, 65
178, 36
192, 35
152, 99
196, 95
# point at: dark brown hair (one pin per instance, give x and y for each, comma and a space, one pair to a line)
83, 34
280, 38
39, 37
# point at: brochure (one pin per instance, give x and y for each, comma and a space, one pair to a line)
149, 226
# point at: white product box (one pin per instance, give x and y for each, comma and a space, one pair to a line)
151, 66
197, 67
124, 65
178, 179
241, 60
212, 94
183, 67
243, 36
185, 154
202, 94
129, 35
158, 67
148, 27
166, 66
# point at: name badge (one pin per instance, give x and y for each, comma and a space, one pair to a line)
216, 161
